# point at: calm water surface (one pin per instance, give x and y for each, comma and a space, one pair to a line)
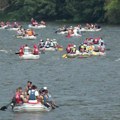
85, 89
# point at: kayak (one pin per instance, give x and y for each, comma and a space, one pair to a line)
29, 57
32, 37
36, 26
26, 107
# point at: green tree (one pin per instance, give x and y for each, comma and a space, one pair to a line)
112, 8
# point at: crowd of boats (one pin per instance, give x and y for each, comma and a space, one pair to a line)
89, 47
32, 99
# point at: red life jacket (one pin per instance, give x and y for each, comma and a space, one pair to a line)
21, 52
36, 51
18, 99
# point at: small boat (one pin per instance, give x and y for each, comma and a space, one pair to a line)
32, 37
98, 53
26, 107
89, 30
62, 32
14, 29
48, 49
84, 55
73, 55
4, 27
36, 26
29, 56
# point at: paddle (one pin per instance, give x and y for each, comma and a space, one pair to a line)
17, 53
3, 108
64, 56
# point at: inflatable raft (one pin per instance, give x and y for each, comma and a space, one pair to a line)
91, 30
29, 57
48, 49
26, 107
32, 37
36, 26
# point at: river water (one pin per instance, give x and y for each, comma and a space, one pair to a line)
84, 89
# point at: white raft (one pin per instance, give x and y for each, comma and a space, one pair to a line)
26, 107
48, 49
32, 37
4, 27
29, 57
89, 30
36, 26
13, 29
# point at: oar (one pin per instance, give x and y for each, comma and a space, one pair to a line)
64, 56
17, 53
3, 108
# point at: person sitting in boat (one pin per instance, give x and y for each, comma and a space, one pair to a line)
43, 22
35, 50
27, 50
102, 47
47, 98
51, 43
28, 87
19, 96
34, 22
15, 25
68, 49
41, 44
47, 43
21, 51
73, 49
33, 95
30, 32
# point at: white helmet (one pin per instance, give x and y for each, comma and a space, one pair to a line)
74, 45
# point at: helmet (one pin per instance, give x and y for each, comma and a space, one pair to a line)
74, 45
44, 88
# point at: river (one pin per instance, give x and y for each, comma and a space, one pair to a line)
84, 89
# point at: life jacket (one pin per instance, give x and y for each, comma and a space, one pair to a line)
21, 52
17, 98
68, 49
35, 51
30, 32
32, 95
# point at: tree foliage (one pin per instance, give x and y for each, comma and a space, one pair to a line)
76, 10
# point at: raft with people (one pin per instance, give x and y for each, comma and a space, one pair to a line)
49, 45
31, 100
27, 53
36, 25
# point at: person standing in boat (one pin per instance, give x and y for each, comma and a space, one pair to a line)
33, 95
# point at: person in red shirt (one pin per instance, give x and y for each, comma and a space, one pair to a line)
35, 50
